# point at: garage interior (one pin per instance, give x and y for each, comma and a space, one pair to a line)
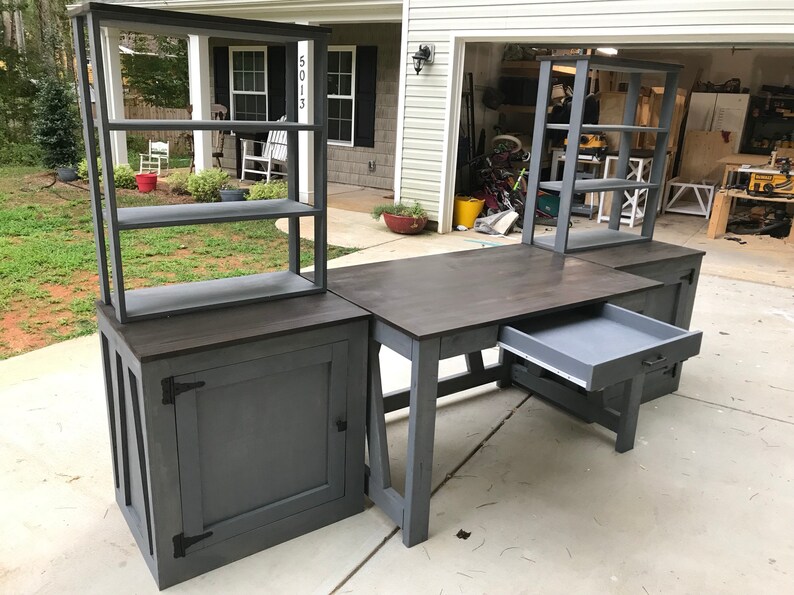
734, 109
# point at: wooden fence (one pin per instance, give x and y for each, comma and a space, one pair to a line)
141, 111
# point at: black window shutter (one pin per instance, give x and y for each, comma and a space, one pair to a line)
220, 63
276, 82
366, 76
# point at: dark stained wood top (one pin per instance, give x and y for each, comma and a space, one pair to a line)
629, 255
430, 296
187, 333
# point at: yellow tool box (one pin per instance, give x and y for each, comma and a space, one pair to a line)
592, 144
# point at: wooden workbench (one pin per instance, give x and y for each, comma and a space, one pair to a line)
718, 222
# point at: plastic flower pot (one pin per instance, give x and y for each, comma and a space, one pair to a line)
66, 174
146, 182
233, 194
406, 225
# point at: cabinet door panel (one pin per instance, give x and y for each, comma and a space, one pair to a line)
233, 477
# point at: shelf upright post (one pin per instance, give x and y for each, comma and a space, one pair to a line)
293, 165
78, 31
538, 143
624, 154
660, 153
571, 155
320, 117
95, 41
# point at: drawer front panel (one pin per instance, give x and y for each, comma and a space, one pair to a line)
599, 346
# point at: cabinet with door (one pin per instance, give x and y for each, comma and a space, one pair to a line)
238, 436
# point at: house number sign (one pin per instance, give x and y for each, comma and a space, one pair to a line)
302, 82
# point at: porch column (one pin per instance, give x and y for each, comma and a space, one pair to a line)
115, 93
305, 115
198, 54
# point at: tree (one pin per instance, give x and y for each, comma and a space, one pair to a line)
56, 123
158, 70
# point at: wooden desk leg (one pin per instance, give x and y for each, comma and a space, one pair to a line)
474, 362
718, 221
627, 424
506, 360
421, 433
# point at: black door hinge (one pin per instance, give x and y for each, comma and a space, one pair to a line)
341, 425
171, 389
181, 543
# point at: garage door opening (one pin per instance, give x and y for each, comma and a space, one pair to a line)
734, 107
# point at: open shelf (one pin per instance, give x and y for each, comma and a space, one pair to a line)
588, 239
214, 212
155, 302
607, 128
599, 185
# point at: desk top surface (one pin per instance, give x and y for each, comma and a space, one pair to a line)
630, 255
431, 296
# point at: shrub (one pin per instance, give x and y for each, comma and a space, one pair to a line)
124, 177
177, 182
267, 190
19, 154
82, 168
205, 186
56, 124
416, 211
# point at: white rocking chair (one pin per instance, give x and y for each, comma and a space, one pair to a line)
159, 153
274, 152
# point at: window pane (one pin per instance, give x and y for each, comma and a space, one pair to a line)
333, 61
333, 108
259, 61
238, 81
248, 60
261, 106
333, 84
346, 62
248, 81
345, 130
333, 129
346, 108
345, 84
259, 82
239, 106
237, 60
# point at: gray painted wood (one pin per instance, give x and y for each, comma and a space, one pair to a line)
166, 301
421, 433
214, 212
255, 455
627, 424
599, 346
84, 87
179, 298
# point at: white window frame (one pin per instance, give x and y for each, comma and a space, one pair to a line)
352, 96
232, 92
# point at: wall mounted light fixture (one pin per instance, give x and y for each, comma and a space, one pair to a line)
425, 54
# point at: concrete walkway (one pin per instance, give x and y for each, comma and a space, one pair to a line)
703, 504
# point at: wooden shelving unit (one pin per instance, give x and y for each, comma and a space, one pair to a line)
565, 241
110, 219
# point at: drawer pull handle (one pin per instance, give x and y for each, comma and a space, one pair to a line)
650, 363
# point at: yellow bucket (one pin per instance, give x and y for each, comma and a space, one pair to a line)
466, 210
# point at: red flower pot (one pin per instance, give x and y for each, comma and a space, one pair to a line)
406, 225
146, 182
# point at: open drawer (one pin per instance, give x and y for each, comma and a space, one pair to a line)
599, 346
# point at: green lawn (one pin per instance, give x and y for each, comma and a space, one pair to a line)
48, 275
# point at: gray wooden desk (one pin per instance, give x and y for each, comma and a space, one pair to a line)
434, 307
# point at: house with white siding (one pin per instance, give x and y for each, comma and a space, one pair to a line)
417, 117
